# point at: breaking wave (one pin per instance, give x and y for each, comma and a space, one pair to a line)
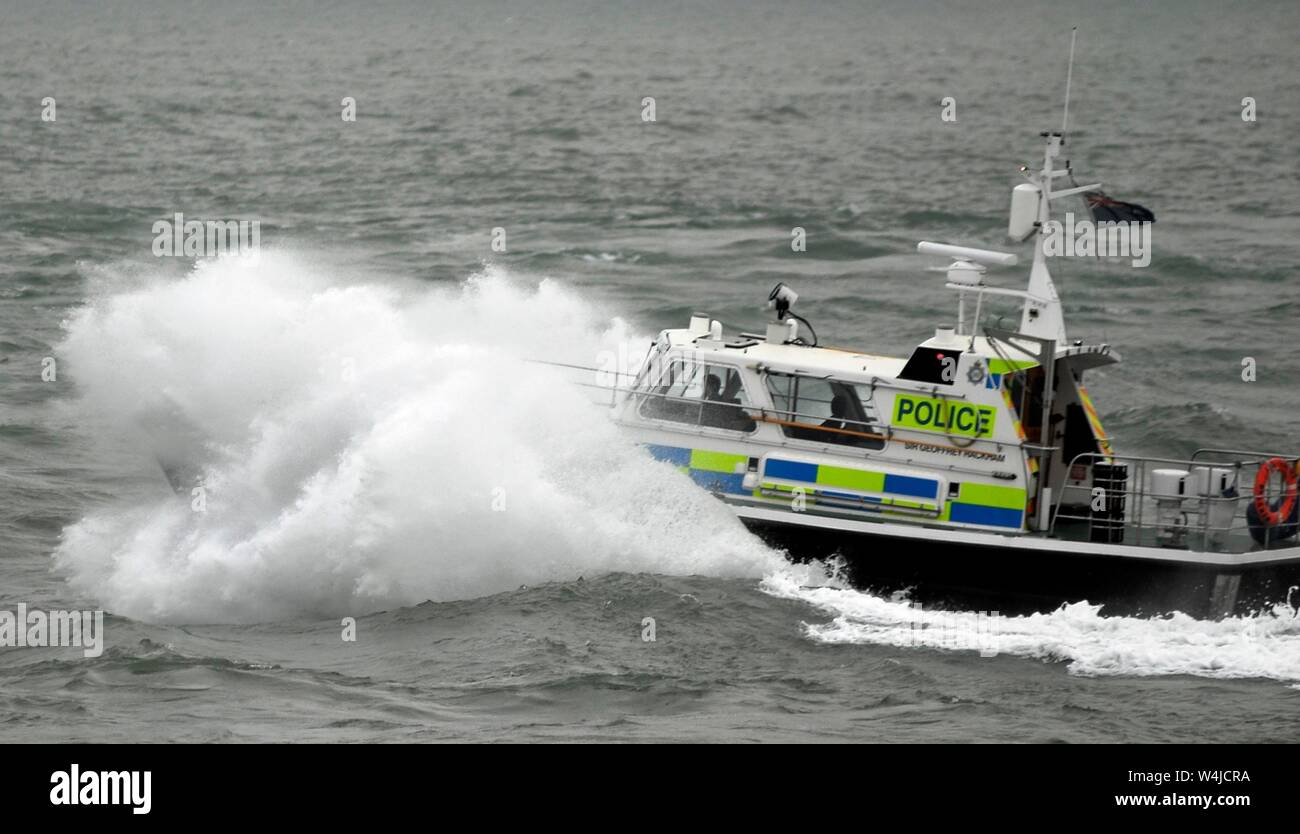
364, 444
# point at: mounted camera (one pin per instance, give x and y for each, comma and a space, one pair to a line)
781, 299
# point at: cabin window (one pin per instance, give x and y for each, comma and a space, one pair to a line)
825, 410
1078, 438
935, 367
700, 394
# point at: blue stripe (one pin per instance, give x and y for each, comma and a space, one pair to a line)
790, 470
719, 481
675, 455
915, 487
979, 514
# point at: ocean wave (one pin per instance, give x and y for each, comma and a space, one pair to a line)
361, 446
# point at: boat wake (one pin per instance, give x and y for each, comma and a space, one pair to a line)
354, 446
1265, 645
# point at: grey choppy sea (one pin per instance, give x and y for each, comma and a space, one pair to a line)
355, 393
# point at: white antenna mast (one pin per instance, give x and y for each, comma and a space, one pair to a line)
1042, 316
1069, 76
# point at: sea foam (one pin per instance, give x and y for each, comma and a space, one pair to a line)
1264, 645
363, 444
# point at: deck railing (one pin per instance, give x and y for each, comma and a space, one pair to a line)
1122, 503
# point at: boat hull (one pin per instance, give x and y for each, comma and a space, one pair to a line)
1017, 581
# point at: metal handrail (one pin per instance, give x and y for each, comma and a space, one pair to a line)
762, 414
578, 368
882, 432
1241, 453
1136, 490
873, 381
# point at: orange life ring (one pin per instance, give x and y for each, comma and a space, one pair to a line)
1267, 514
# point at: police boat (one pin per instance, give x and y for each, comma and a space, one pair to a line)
974, 471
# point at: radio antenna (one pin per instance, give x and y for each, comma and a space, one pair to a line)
1069, 76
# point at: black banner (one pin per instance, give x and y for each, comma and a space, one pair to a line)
335, 783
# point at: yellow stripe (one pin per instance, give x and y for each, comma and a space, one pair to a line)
1094, 420
1015, 421
1011, 407
1010, 366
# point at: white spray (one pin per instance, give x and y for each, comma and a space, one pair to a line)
362, 446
